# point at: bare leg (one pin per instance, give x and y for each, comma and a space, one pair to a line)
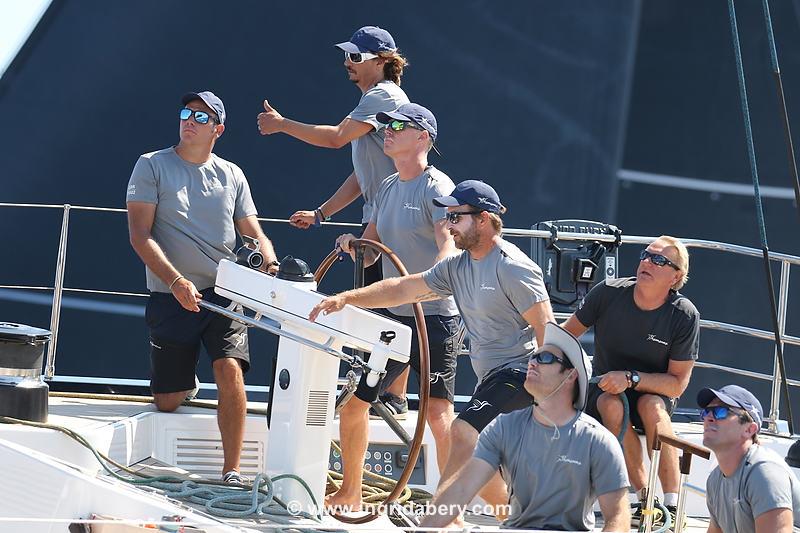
440, 417
399, 386
611, 412
655, 417
463, 438
169, 401
353, 436
231, 409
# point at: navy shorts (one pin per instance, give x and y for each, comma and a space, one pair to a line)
442, 332
633, 397
177, 334
502, 391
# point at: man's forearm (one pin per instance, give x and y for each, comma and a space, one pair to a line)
665, 384
153, 256
318, 135
391, 292
345, 195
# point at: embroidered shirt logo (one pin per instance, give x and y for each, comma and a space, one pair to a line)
412, 207
477, 405
485, 287
653, 338
565, 459
132, 189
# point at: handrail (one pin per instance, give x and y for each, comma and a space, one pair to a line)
785, 259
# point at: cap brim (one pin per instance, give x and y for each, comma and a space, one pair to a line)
447, 201
349, 47
385, 118
563, 339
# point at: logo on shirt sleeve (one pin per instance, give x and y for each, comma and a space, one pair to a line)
131, 190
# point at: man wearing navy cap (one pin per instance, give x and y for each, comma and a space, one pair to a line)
185, 205
375, 66
502, 300
752, 490
405, 220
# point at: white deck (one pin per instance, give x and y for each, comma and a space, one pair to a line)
47, 475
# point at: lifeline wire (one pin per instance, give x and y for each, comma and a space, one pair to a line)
751, 153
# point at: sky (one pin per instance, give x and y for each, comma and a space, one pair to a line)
17, 20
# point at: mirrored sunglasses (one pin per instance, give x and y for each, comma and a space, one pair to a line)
400, 125
359, 57
657, 259
548, 358
721, 412
201, 117
454, 216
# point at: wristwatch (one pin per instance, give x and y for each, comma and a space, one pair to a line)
633, 378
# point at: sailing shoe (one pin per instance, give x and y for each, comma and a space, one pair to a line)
234, 478
637, 516
396, 405
673, 513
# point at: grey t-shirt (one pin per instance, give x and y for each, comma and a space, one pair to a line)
762, 482
553, 483
491, 294
370, 164
405, 216
196, 206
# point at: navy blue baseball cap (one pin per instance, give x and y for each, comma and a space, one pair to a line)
734, 395
369, 39
210, 99
421, 116
475, 193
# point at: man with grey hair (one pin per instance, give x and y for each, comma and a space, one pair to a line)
556, 460
646, 339
752, 490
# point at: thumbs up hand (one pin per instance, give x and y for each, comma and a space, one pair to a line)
269, 121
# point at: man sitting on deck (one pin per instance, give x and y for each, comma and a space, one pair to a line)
555, 459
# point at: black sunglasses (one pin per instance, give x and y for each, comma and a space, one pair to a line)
201, 117
548, 358
657, 259
400, 125
454, 216
721, 412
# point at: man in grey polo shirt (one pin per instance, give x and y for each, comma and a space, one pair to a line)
406, 220
502, 300
556, 460
185, 205
375, 66
752, 489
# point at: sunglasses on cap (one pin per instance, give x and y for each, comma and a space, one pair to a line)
201, 117
657, 259
721, 412
548, 358
400, 125
454, 216
359, 57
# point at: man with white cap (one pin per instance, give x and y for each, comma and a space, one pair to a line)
503, 304
752, 490
375, 66
556, 460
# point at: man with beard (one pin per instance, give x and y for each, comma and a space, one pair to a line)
502, 300
557, 460
375, 66
752, 489
646, 339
